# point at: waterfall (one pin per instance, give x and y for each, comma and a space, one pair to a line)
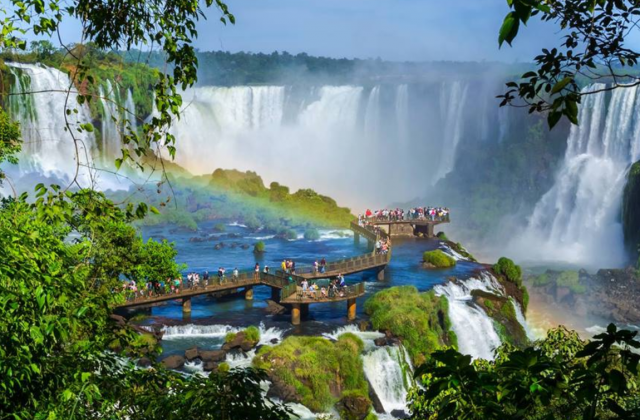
131, 114
522, 320
475, 330
577, 220
48, 149
372, 116
453, 96
191, 330
389, 372
111, 142
367, 337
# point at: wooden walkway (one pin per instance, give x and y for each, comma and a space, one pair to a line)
285, 286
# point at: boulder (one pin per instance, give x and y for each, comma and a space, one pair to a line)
212, 355
209, 366
192, 354
375, 400
246, 345
173, 362
245, 246
274, 341
282, 391
353, 408
236, 343
120, 320
400, 414
364, 325
382, 341
274, 308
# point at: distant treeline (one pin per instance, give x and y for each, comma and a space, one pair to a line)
229, 69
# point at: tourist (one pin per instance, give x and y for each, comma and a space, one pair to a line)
343, 283
235, 274
315, 267
305, 287
266, 269
284, 266
323, 264
256, 272
205, 278
324, 292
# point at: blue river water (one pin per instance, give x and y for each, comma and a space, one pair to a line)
234, 311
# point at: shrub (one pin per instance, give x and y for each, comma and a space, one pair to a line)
509, 270
230, 337
525, 298
311, 234
438, 258
224, 367
489, 304
259, 247
290, 234
220, 227
252, 334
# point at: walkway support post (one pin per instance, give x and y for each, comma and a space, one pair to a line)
356, 238
275, 294
381, 274
186, 305
248, 293
351, 309
295, 314
304, 310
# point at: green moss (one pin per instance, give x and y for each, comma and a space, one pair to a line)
438, 259
252, 334
541, 280
220, 227
570, 280
509, 270
230, 337
525, 298
289, 234
508, 310
420, 319
489, 304
224, 367
442, 236
319, 370
312, 234
259, 247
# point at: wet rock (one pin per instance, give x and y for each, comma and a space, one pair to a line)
120, 320
212, 355
173, 362
236, 343
274, 341
246, 345
192, 354
353, 408
382, 341
233, 246
245, 246
400, 414
233, 235
209, 366
375, 400
219, 246
364, 325
282, 391
274, 308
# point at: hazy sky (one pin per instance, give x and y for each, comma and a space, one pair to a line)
390, 29
399, 30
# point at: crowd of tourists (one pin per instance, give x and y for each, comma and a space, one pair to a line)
440, 214
336, 288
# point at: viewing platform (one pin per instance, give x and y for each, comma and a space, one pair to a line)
423, 227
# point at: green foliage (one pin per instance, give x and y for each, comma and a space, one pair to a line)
421, 320
230, 337
57, 315
489, 304
224, 367
314, 365
438, 259
442, 236
561, 374
311, 234
10, 141
259, 247
595, 37
220, 227
571, 280
252, 334
525, 298
509, 270
541, 280
630, 216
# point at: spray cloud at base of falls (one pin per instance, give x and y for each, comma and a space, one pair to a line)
577, 220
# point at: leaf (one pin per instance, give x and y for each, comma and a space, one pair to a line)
553, 118
561, 85
154, 210
509, 29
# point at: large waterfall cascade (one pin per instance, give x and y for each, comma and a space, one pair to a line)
40, 103
473, 327
577, 220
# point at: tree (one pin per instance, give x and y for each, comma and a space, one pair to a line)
559, 377
10, 144
593, 49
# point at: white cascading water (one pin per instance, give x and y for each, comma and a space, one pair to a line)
131, 114
453, 96
48, 149
384, 370
577, 220
473, 327
177, 332
111, 143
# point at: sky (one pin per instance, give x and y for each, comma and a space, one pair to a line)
396, 30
